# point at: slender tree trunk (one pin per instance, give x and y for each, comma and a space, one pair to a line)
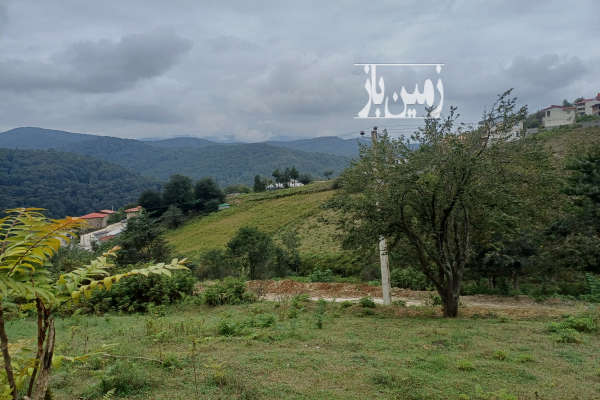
42, 328
43, 377
6, 356
516, 281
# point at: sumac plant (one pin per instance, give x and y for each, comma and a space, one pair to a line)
27, 241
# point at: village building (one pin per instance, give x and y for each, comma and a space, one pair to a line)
291, 183
558, 116
133, 212
586, 106
95, 220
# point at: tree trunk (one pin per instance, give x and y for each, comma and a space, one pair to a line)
516, 281
45, 365
42, 329
450, 304
6, 356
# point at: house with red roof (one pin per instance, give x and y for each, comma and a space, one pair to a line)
133, 212
558, 116
586, 106
95, 220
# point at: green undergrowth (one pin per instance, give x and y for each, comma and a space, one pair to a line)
294, 348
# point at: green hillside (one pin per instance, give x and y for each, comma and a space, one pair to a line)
272, 212
65, 183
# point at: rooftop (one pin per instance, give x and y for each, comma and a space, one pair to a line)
93, 215
134, 209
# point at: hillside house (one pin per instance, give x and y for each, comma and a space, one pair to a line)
513, 134
586, 106
291, 183
87, 240
596, 109
133, 212
95, 220
558, 116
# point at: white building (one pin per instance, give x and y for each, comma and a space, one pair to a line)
515, 133
586, 106
558, 116
86, 240
291, 183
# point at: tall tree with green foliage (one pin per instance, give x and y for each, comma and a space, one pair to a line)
179, 192
254, 251
260, 184
152, 202
142, 241
207, 192
439, 197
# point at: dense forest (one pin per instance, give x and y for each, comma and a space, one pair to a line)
64, 183
226, 163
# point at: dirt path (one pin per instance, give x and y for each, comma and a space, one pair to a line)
516, 305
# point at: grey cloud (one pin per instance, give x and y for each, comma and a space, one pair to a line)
100, 66
3, 17
549, 71
151, 113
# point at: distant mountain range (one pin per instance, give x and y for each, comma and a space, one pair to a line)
194, 157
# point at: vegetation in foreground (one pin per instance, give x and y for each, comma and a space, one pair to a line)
295, 349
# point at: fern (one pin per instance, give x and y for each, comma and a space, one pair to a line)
593, 284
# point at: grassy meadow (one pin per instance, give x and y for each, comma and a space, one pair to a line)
297, 349
271, 212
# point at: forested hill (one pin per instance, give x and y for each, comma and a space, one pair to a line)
227, 163
65, 183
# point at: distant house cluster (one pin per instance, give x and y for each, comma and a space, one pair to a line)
291, 183
566, 115
97, 222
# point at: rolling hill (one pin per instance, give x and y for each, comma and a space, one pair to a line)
65, 183
227, 163
298, 209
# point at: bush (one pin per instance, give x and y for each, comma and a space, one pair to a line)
215, 264
319, 275
228, 291
568, 335
584, 323
366, 302
124, 378
409, 278
139, 293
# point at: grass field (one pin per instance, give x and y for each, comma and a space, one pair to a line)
271, 212
264, 351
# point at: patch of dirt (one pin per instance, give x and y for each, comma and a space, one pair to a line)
518, 306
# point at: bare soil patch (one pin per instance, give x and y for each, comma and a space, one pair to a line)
518, 306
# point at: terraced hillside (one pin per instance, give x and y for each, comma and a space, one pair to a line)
275, 212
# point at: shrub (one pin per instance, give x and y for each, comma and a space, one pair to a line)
125, 378
366, 302
227, 328
139, 293
500, 355
345, 304
568, 335
319, 275
583, 323
409, 278
465, 365
228, 291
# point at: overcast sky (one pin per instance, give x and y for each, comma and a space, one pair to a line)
141, 68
